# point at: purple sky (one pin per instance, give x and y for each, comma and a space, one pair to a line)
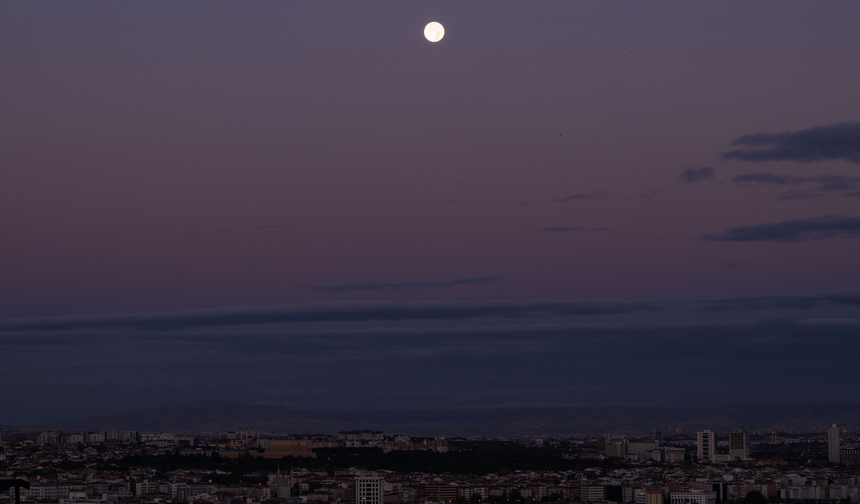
167, 157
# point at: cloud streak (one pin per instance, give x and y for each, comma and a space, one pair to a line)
567, 229
369, 286
692, 175
343, 311
797, 195
807, 301
840, 141
792, 231
826, 182
583, 197
394, 311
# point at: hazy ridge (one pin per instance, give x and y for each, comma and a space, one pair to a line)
216, 416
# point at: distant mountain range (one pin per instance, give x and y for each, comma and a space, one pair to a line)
220, 416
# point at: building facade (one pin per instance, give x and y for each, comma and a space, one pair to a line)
833, 444
641, 449
849, 455
360, 438
612, 447
739, 445
707, 446
654, 497
592, 493
693, 497
278, 448
368, 489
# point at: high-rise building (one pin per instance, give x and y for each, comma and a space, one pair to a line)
707, 444
144, 487
49, 437
368, 489
849, 455
658, 436
640, 449
655, 497
739, 444
833, 444
591, 493
612, 447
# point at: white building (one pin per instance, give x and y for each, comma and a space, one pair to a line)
833, 444
693, 497
707, 444
44, 491
592, 493
145, 487
360, 438
368, 489
49, 438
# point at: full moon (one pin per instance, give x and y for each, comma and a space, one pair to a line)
434, 31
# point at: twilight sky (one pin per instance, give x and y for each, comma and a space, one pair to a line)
310, 204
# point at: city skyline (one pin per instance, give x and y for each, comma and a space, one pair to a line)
367, 466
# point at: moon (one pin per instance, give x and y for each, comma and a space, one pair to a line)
434, 31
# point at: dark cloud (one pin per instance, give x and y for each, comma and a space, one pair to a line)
797, 195
853, 195
808, 301
566, 229
428, 367
825, 182
273, 226
451, 362
835, 182
190, 233
343, 311
765, 178
691, 175
834, 141
366, 286
585, 196
644, 196
793, 231
373, 343
728, 264
392, 311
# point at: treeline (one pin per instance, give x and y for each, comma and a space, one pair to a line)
480, 457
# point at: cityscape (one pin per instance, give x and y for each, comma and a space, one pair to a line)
429, 252
253, 467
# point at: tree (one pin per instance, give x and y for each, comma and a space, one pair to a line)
754, 497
